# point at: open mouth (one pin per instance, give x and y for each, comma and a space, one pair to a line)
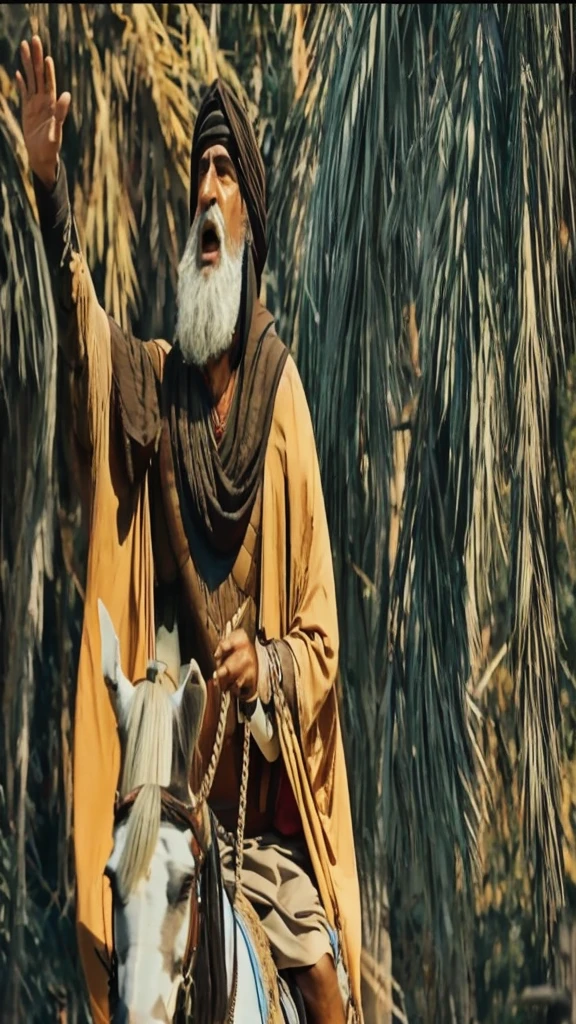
209, 242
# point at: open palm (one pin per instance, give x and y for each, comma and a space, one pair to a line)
43, 114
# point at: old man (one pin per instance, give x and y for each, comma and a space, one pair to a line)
203, 497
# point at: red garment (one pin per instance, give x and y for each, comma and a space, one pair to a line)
287, 818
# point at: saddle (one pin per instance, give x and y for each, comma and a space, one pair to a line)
291, 1004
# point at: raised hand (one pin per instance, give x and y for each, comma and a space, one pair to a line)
42, 113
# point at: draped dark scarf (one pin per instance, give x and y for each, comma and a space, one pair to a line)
217, 484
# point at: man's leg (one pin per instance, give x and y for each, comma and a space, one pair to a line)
321, 992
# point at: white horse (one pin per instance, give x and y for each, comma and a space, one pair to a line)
173, 920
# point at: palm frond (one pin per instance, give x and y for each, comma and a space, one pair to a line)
27, 422
356, 279
296, 161
538, 193
431, 769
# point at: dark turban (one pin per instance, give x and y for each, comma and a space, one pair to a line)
222, 120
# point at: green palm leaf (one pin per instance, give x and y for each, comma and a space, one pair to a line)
444, 566
358, 275
539, 181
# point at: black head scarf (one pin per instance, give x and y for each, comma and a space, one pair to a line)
222, 120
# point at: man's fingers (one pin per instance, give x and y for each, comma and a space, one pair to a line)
225, 673
243, 682
223, 650
233, 642
239, 638
50, 78
223, 678
232, 667
21, 86
62, 107
222, 672
28, 69
38, 62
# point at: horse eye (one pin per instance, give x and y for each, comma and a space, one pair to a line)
185, 888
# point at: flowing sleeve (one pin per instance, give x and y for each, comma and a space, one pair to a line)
308, 648
109, 372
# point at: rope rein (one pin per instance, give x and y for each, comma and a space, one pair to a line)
239, 845
206, 784
237, 841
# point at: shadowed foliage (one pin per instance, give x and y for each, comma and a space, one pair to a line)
440, 198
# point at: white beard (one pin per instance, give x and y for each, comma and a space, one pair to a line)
208, 302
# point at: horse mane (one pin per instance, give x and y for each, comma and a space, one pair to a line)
149, 738
147, 759
141, 839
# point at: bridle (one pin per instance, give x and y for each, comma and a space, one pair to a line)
184, 816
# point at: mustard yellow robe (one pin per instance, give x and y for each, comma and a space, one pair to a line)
300, 609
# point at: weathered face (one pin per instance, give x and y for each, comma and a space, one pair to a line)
210, 271
151, 926
218, 185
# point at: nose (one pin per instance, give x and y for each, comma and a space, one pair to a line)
207, 193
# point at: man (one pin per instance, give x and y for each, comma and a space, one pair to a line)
203, 497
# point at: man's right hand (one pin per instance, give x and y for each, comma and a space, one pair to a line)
42, 113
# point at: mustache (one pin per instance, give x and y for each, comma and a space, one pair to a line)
211, 218
210, 221
207, 306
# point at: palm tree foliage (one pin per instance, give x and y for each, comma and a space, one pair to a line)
421, 168
540, 173
355, 279
444, 163
28, 373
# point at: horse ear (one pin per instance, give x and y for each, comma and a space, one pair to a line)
189, 703
121, 689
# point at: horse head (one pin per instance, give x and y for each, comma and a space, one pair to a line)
160, 835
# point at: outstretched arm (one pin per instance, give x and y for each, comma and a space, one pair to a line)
43, 117
105, 365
